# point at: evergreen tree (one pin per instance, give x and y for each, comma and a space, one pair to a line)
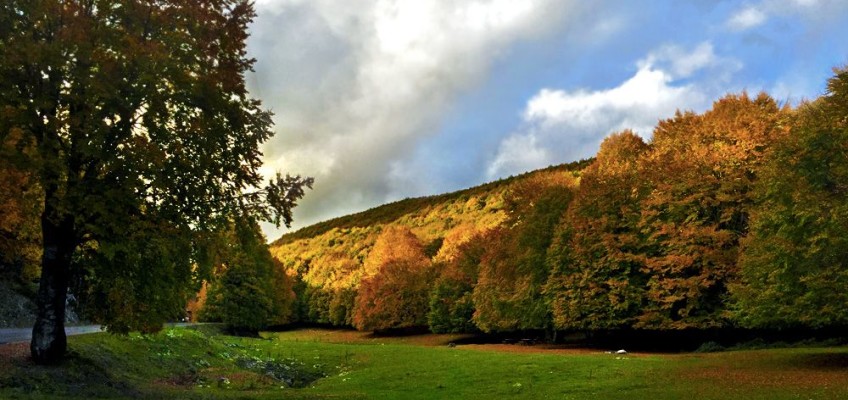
253, 291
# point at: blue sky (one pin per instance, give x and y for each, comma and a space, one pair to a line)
385, 99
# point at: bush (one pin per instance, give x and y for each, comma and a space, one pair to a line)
710, 347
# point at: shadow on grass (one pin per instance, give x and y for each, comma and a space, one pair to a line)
821, 361
77, 377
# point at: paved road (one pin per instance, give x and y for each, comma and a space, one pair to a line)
14, 335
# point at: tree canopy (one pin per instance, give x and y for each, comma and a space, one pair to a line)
731, 217
794, 263
139, 123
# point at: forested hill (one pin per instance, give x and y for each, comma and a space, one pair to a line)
734, 217
394, 211
333, 254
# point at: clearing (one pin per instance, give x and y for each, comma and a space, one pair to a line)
320, 364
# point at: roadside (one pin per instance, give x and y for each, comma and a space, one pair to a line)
15, 335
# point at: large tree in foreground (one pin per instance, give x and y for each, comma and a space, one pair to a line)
141, 122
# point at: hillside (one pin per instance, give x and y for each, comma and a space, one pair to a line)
394, 211
331, 254
728, 218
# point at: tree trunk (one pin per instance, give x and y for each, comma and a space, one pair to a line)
48, 335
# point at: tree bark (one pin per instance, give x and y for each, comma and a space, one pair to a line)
48, 335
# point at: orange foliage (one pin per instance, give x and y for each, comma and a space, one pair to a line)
513, 272
701, 170
20, 207
397, 295
454, 240
394, 243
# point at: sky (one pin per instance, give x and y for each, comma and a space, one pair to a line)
381, 100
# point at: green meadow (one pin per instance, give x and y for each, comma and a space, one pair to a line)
323, 364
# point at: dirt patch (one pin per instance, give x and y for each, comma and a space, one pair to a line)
13, 353
187, 379
536, 349
803, 379
464, 341
247, 379
805, 371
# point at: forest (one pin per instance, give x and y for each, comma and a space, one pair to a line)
736, 217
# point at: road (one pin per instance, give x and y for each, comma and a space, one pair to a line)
14, 335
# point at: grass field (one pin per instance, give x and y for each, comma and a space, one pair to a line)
320, 364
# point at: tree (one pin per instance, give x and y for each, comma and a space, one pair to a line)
397, 295
19, 210
701, 170
394, 243
794, 263
451, 301
139, 118
596, 279
253, 290
318, 304
509, 291
341, 307
138, 282
451, 246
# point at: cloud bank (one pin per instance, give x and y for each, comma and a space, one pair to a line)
357, 84
383, 99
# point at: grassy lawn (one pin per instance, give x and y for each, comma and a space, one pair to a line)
315, 364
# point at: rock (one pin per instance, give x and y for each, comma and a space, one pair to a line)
622, 351
16, 310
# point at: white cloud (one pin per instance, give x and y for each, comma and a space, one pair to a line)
357, 84
751, 16
561, 125
746, 18
682, 63
519, 153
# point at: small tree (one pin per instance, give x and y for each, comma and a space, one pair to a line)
253, 291
341, 307
397, 297
451, 302
596, 280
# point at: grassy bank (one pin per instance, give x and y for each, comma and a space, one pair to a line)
183, 363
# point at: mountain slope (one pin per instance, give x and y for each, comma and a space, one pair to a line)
330, 255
